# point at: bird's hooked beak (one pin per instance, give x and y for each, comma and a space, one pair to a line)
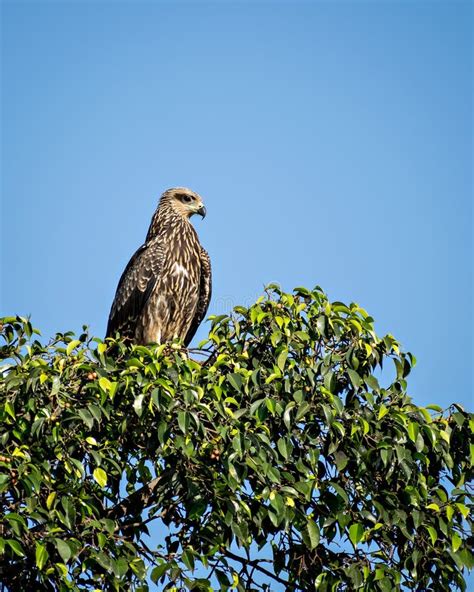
202, 211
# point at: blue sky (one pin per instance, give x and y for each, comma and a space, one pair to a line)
331, 141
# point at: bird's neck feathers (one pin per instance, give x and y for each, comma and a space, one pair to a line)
166, 219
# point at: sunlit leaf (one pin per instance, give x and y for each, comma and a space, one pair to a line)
100, 476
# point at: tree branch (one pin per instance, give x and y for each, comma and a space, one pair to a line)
255, 564
138, 500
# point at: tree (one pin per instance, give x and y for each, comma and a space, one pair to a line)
281, 462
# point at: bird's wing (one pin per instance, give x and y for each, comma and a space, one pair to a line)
205, 292
134, 289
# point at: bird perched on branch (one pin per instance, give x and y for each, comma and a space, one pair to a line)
165, 289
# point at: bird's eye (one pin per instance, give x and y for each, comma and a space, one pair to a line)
186, 198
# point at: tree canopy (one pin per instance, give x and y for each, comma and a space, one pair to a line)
291, 458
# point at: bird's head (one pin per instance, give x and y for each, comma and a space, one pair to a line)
184, 202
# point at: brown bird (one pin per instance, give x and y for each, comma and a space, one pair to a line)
165, 289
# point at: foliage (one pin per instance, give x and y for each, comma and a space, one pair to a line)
279, 463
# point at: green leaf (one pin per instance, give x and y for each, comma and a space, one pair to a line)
41, 555
463, 509
70, 512
372, 382
284, 448
286, 415
222, 579
183, 421
188, 558
159, 571
72, 345
302, 411
467, 558
103, 560
433, 534
163, 432
321, 324
16, 547
235, 380
313, 534
64, 549
86, 417
449, 513
104, 384
100, 476
340, 491
138, 405
356, 533
382, 412
330, 381
50, 500
413, 431
4, 480
435, 408
10, 410
281, 360
271, 405
121, 567
341, 460
355, 378
456, 541
320, 581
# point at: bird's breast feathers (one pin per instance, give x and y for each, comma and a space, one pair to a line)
179, 270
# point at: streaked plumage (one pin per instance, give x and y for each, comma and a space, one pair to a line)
165, 289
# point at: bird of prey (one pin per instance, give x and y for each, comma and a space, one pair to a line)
165, 289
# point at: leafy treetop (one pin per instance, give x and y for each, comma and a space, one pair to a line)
286, 460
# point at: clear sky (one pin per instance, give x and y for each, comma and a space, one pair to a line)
331, 141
